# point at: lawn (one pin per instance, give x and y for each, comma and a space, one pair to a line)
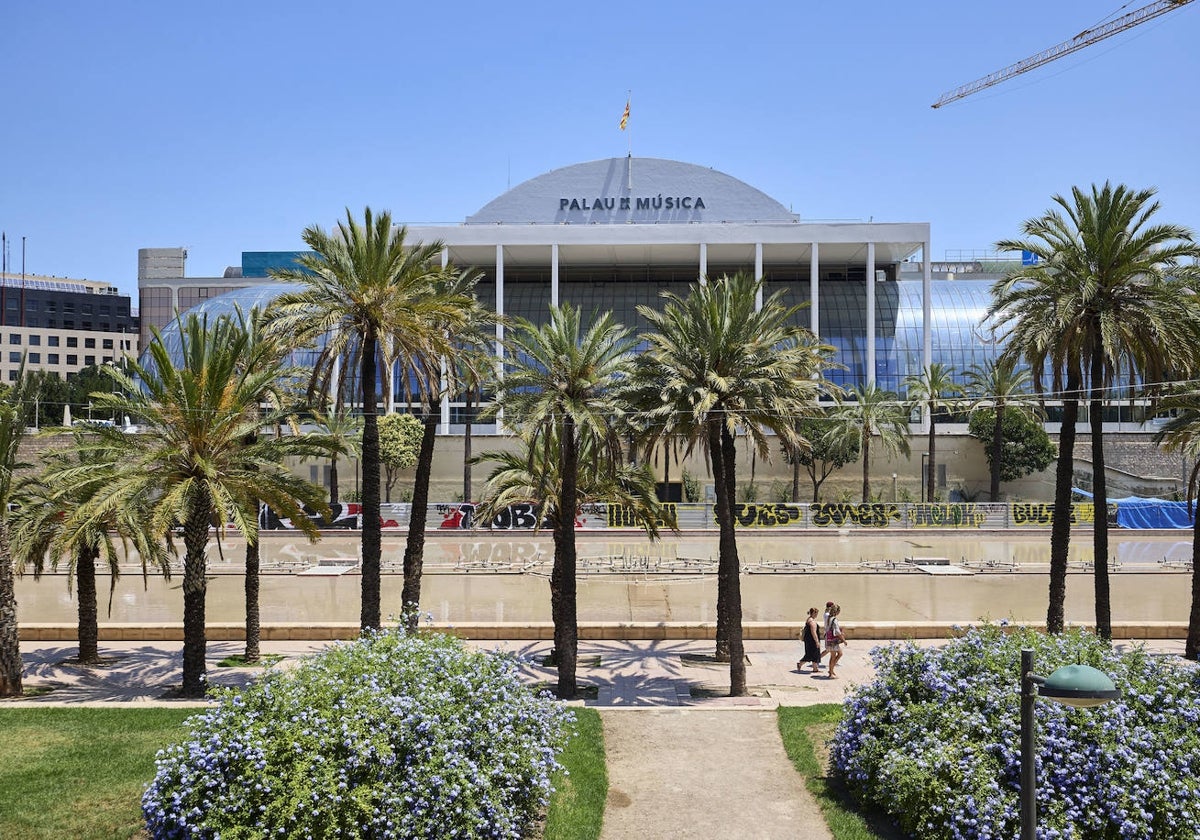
804, 730
80, 773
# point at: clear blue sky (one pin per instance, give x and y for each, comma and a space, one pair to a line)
230, 126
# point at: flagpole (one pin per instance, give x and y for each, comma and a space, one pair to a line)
628, 102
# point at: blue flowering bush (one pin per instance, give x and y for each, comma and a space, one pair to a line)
934, 741
391, 736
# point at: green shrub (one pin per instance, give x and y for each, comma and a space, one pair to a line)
934, 741
392, 736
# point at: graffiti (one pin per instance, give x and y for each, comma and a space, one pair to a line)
866, 515
345, 516
1042, 513
461, 516
766, 515
946, 516
620, 516
456, 516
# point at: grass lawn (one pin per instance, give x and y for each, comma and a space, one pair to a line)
79, 773
577, 806
804, 730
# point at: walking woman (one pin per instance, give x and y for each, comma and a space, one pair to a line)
835, 640
812, 643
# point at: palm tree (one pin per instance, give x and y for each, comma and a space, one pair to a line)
199, 456
722, 367
464, 326
369, 296
531, 474
46, 502
559, 391
1182, 434
999, 385
14, 416
346, 429
934, 391
1120, 310
874, 411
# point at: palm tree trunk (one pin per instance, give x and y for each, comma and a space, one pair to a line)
723, 511
195, 539
414, 546
372, 537
866, 451
563, 588
796, 480
1100, 497
467, 428
997, 451
729, 581
1060, 528
10, 644
85, 584
252, 610
333, 480
1191, 648
931, 475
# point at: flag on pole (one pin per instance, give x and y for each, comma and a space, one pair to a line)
625, 116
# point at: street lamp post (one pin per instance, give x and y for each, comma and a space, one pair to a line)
1074, 685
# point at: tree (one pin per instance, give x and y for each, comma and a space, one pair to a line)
1121, 308
1024, 448
935, 392
366, 297
1182, 434
464, 328
399, 444
724, 366
831, 445
346, 430
45, 503
998, 386
14, 417
871, 411
199, 458
559, 391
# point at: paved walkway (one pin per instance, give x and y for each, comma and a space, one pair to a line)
683, 761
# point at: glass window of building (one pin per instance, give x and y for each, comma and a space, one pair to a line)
72, 359
35, 358
108, 360
14, 356
106, 343
52, 340
86, 309
51, 358
14, 338
12, 376
35, 341
89, 361
72, 341
89, 343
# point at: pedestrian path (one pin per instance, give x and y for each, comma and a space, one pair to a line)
718, 774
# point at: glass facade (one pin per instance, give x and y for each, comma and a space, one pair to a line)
959, 337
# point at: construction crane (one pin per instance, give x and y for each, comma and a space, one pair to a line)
1083, 39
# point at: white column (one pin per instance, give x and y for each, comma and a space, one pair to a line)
870, 313
758, 274
500, 324
926, 309
554, 274
703, 263
814, 287
445, 421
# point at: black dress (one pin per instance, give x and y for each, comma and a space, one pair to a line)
812, 645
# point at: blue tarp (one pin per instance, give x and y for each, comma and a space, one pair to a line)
1135, 512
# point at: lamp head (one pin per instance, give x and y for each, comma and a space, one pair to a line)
1079, 685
